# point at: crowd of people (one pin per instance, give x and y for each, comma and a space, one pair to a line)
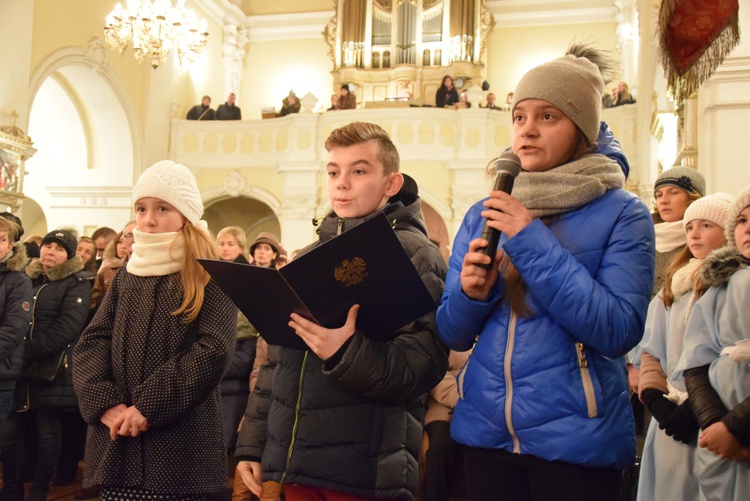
516, 387
447, 96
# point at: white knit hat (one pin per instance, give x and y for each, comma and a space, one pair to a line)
173, 183
712, 208
740, 202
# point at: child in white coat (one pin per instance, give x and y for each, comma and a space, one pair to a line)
715, 362
667, 466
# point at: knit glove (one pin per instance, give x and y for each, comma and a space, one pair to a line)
681, 424
659, 406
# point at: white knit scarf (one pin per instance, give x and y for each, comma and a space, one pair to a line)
669, 236
569, 186
156, 254
682, 280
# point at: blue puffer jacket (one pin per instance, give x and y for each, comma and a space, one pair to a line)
554, 385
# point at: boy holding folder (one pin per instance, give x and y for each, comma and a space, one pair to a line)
344, 417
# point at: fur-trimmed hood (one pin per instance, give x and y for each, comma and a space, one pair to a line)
19, 259
72, 265
721, 264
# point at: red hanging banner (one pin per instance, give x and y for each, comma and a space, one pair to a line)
695, 37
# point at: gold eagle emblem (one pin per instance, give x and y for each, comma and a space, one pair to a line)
351, 272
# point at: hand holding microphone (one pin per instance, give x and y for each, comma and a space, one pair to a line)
507, 168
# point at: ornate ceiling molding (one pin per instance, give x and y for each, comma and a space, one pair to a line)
287, 26
513, 13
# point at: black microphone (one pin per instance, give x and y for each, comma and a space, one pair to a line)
507, 168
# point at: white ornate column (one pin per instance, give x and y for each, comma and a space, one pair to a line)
627, 31
647, 161
300, 201
235, 40
469, 183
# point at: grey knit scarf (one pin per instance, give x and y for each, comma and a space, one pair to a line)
569, 186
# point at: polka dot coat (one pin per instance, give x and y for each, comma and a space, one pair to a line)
135, 352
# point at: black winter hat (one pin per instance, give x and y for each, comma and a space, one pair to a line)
64, 238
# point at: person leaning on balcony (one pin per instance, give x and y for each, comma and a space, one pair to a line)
201, 111
228, 110
347, 100
290, 104
446, 95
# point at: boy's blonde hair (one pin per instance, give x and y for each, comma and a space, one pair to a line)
362, 132
238, 233
11, 228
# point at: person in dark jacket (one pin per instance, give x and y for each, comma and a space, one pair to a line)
62, 293
446, 95
346, 414
232, 242
201, 111
15, 312
148, 366
228, 110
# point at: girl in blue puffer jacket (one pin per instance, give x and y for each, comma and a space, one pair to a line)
543, 400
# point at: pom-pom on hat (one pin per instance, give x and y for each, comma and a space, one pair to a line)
173, 183
64, 239
712, 208
740, 202
573, 84
686, 178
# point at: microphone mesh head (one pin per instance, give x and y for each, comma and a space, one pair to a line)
508, 163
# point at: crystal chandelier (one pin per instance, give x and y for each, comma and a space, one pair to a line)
155, 29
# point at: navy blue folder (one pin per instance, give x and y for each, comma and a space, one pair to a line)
366, 265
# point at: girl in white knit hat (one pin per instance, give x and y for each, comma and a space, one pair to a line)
544, 408
148, 366
716, 362
668, 462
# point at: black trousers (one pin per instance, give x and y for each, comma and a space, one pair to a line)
443, 474
495, 475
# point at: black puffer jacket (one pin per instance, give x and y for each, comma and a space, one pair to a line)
61, 301
355, 425
15, 315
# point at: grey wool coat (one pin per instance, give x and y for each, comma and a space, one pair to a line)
136, 352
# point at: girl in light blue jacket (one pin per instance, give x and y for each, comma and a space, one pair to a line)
668, 462
716, 363
543, 400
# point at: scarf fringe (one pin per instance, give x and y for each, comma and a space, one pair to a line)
684, 82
